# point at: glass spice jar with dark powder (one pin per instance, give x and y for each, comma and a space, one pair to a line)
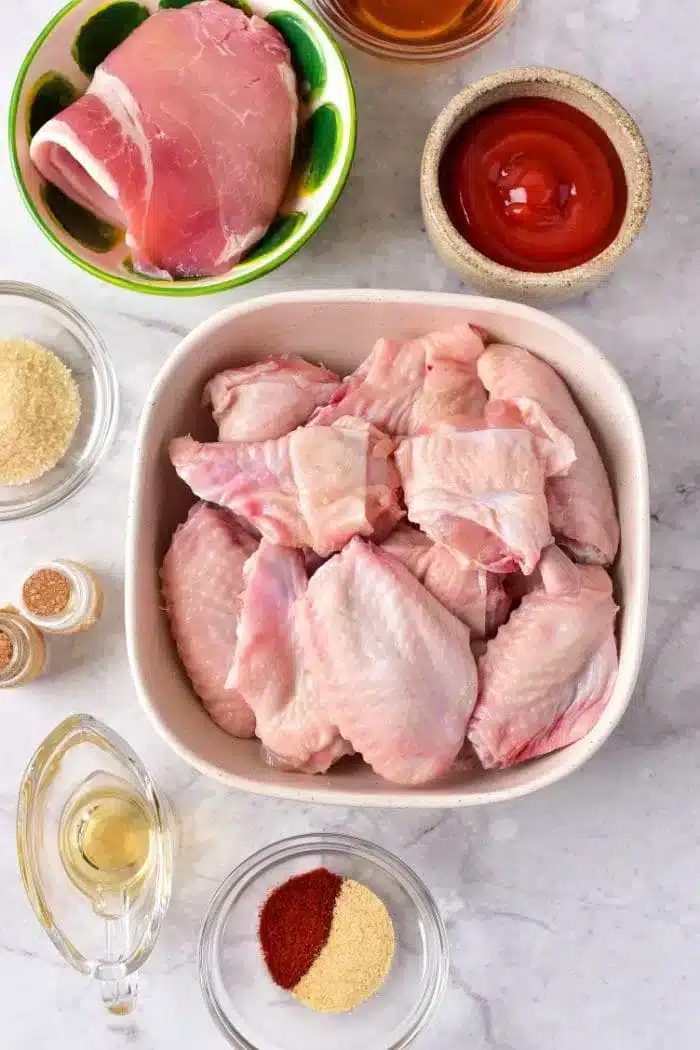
328, 940
22, 649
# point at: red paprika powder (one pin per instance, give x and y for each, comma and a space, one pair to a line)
295, 922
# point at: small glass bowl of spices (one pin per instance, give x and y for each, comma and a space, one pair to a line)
322, 941
58, 401
22, 649
62, 597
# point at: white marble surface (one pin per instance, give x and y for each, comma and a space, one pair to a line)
573, 915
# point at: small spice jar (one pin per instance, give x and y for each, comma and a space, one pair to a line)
22, 649
62, 597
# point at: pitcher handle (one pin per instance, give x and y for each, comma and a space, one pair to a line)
118, 992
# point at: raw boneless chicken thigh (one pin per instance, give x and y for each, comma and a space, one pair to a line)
372, 536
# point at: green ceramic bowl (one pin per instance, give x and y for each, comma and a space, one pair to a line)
58, 69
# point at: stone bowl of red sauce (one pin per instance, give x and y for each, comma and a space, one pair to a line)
534, 183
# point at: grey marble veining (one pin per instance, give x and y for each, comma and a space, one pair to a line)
573, 915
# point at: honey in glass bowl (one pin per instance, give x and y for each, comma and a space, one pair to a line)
417, 29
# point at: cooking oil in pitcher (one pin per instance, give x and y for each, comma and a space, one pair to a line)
105, 840
96, 842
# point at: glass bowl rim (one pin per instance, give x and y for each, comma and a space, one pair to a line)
291, 849
401, 52
105, 379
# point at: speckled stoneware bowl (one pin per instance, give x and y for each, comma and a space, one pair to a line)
540, 82
58, 69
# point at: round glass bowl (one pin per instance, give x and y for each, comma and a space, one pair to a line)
481, 20
254, 1014
31, 313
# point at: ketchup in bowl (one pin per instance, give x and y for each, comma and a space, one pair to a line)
534, 184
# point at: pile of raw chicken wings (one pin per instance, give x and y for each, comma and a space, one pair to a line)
403, 564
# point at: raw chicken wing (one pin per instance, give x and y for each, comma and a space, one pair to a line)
403, 386
202, 577
478, 492
271, 666
317, 487
581, 507
476, 597
554, 448
549, 672
268, 399
393, 667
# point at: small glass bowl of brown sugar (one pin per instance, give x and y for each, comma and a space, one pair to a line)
58, 401
240, 982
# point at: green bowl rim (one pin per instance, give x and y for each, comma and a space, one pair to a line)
176, 290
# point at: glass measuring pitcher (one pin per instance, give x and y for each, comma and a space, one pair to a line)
95, 842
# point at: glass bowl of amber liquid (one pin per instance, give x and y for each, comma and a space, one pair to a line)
417, 30
252, 1013
30, 313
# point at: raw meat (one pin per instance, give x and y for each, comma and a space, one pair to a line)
202, 578
268, 399
581, 507
317, 487
478, 492
475, 636
554, 448
404, 386
393, 667
184, 138
549, 672
271, 666
474, 596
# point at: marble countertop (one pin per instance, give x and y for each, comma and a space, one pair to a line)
573, 914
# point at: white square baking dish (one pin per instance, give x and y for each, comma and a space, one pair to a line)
339, 328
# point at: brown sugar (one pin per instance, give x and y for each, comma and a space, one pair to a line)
46, 593
39, 410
